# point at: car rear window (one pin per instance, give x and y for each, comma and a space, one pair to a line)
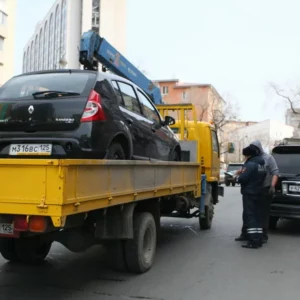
288, 159
25, 86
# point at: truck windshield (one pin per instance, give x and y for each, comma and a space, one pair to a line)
27, 85
288, 159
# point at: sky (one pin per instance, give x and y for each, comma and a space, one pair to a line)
239, 47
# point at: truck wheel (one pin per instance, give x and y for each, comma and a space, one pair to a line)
140, 251
115, 151
206, 221
32, 250
7, 249
227, 183
233, 183
273, 222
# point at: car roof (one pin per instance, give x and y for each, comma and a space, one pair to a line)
100, 75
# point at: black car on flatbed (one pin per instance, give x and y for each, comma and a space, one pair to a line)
286, 203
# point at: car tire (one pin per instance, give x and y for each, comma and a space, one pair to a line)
115, 151
227, 183
175, 156
273, 222
233, 183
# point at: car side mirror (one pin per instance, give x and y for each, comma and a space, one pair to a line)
169, 121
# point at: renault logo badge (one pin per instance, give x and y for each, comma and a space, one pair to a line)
30, 109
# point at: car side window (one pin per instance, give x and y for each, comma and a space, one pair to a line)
129, 97
148, 110
118, 93
215, 143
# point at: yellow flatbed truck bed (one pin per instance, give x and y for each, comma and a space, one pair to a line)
80, 203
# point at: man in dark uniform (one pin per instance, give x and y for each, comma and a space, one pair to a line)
252, 179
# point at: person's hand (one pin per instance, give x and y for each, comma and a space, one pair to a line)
238, 172
272, 190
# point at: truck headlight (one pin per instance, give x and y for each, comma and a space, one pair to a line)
284, 188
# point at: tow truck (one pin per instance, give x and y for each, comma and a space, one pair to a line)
118, 204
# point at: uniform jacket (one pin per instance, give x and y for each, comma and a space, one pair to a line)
253, 176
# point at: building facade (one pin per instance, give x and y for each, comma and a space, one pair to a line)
269, 133
56, 40
7, 35
293, 119
206, 99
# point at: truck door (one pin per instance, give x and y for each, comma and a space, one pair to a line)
215, 154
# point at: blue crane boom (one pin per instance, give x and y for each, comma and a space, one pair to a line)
94, 49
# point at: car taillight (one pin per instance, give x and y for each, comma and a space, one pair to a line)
93, 110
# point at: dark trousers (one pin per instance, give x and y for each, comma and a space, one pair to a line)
267, 201
253, 217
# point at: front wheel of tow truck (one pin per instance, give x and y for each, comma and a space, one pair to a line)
32, 250
8, 250
205, 221
140, 252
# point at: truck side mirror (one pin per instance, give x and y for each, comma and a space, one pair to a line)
169, 121
230, 148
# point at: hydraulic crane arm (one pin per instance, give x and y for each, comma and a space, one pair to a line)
94, 49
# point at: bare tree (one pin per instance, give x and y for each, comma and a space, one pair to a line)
291, 97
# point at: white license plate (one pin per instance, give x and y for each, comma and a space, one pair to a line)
30, 149
294, 188
7, 228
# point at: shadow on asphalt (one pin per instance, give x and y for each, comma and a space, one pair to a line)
64, 272
287, 228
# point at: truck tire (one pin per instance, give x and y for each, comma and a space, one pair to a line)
233, 183
227, 183
140, 251
206, 221
32, 250
273, 222
115, 151
7, 249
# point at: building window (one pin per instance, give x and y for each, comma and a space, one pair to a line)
95, 16
28, 65
41, 48
3, 18
184, 96
46, 44
63, 30
165, 90
24, 62
1, 43
36, 53
57, 38
32, 57
51, 39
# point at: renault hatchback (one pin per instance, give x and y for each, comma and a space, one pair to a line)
81, 114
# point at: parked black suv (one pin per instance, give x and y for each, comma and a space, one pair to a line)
232, 168
286, 203
82, 114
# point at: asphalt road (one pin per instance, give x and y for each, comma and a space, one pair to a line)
189, 265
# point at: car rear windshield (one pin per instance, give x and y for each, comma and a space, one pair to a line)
288, 159
234, 167
25, 86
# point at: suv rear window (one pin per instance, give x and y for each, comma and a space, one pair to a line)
25, 86
288, 159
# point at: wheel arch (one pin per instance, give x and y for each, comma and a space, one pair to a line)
125, 142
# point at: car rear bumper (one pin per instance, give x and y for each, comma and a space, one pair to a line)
280, 207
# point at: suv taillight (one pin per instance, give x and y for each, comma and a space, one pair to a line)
93, 110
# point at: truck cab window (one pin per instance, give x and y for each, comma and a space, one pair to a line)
215, 143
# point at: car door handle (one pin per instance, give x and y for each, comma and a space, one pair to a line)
129, 121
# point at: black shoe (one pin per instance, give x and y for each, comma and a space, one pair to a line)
241, 238
251, 245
